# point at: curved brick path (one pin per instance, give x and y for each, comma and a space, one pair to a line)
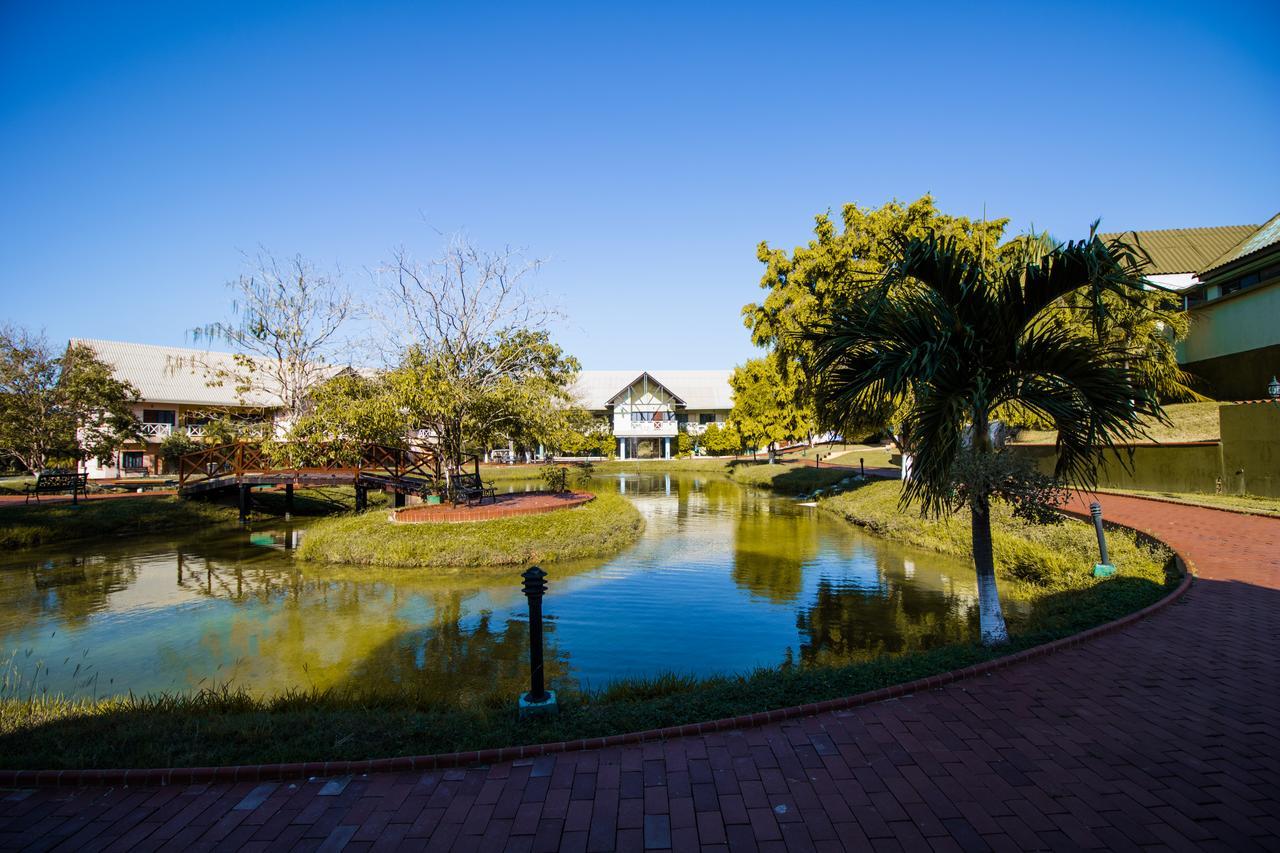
1161, 735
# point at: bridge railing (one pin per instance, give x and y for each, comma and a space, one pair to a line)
350, 458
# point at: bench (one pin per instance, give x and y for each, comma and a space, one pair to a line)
471, 490
55, 482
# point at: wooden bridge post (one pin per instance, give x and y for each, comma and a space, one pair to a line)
244, 503
398, 500
362, 498
288, 501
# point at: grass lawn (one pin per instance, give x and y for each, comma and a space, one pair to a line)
30, 525
1244, 503
1047, 567
603, 526
1188, 422
16, 484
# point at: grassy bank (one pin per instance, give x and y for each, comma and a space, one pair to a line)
30, 525
603, 526
1048, 568
1187, 422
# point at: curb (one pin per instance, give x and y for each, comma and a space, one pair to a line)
440, 761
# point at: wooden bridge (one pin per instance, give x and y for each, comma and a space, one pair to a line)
243, 466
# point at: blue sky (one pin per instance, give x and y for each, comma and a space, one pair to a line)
643, 150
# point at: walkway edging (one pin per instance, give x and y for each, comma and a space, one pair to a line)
441, 761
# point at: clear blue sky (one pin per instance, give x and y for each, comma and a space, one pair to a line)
644, 149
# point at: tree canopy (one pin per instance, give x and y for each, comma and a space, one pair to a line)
767, 407
60, 406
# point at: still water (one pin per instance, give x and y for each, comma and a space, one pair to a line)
723, 580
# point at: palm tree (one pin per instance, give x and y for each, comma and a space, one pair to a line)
961, 335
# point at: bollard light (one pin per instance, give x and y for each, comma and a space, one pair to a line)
1103, 569
538, 700
1273, 388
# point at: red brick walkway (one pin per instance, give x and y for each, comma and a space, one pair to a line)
506, 505
1162, 735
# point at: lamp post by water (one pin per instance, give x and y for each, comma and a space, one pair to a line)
1273, 388
538, 700
1103, 569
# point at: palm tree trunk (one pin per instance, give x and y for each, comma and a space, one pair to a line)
990, 616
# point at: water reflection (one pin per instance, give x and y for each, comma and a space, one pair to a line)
724, 579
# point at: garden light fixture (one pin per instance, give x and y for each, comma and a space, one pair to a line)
1273, 388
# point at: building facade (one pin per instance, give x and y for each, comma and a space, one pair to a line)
647, 410
1229, 277
177, 396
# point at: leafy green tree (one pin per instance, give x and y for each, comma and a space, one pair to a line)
718, 440
835, 269
67, 405
176, 445
965, 334
766, 405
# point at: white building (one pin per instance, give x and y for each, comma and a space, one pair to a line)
648, 409
176, 397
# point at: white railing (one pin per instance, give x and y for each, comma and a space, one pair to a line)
195, 431
155, 431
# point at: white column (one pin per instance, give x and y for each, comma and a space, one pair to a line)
666, 448
622, 448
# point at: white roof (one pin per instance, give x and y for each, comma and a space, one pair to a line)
175, 374
700, 389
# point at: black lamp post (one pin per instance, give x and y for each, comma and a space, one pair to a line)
1273, 388
1103, 569
538, 700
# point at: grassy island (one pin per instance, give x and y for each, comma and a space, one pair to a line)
601, 527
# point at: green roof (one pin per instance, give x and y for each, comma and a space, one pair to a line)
1261, 238
1185, 250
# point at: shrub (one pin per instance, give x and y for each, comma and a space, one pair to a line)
555, 478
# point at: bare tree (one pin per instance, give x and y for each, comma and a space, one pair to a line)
469, 342
285, 332
454, 304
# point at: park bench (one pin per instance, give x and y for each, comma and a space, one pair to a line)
471, 490
56, 482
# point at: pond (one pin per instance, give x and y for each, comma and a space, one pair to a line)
724, 579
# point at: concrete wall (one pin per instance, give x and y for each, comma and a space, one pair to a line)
1251, 448
1192, 467
1246, 461
1239, 376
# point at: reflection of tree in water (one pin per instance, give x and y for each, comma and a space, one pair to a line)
70, 588
458, 664
846, 625
770, 548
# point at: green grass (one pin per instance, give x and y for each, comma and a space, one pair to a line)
603, 526
29, 525
1188, 422
15, 485
788, 479
1242, 503
34, 524
1029, 558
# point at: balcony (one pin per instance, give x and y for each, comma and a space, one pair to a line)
159, 432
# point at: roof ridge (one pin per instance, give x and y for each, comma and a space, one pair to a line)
164, 347
1175, 230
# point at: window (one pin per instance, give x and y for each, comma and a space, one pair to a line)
707, 418
645, 417
159, 416
132, 458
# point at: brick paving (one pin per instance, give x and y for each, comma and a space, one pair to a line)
502, 506
1158, 736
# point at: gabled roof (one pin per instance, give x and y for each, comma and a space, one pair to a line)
649, 376
1263, 237
1184, 250
699, 389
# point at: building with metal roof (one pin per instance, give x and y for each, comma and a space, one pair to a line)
1234, 342
1178, 255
